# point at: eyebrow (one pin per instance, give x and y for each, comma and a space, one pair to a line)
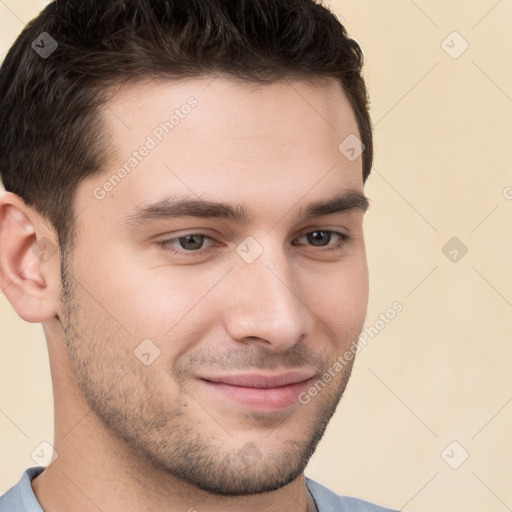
173, 207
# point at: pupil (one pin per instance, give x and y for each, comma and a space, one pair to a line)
319, 236
188, 238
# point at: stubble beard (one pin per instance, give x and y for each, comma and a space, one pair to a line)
118, 391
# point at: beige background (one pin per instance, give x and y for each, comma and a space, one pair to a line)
441, 370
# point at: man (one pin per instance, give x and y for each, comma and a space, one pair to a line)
183, 214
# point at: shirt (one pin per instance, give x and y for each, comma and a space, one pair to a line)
21, 498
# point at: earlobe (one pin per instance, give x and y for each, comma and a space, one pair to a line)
29, 260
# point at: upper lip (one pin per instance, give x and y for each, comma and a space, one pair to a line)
258, 380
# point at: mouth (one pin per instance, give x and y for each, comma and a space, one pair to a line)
258, 391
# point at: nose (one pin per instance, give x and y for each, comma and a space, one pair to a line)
266, 304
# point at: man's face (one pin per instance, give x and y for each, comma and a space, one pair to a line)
192, 348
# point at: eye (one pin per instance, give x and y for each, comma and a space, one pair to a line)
192, 244
189, 243
322, 238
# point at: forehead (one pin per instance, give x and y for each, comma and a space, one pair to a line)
214, 138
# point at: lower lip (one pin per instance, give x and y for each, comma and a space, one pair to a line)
260, 398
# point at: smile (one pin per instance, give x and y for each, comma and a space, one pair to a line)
262, 392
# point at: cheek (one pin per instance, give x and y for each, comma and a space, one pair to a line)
341, 301
149, 300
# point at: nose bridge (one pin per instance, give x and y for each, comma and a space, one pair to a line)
266, 303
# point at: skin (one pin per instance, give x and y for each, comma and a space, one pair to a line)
134, 437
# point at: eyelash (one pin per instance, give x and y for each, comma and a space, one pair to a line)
166, 244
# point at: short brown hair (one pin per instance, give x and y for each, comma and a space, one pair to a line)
50, 135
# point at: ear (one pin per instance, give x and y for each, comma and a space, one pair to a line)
29, 260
